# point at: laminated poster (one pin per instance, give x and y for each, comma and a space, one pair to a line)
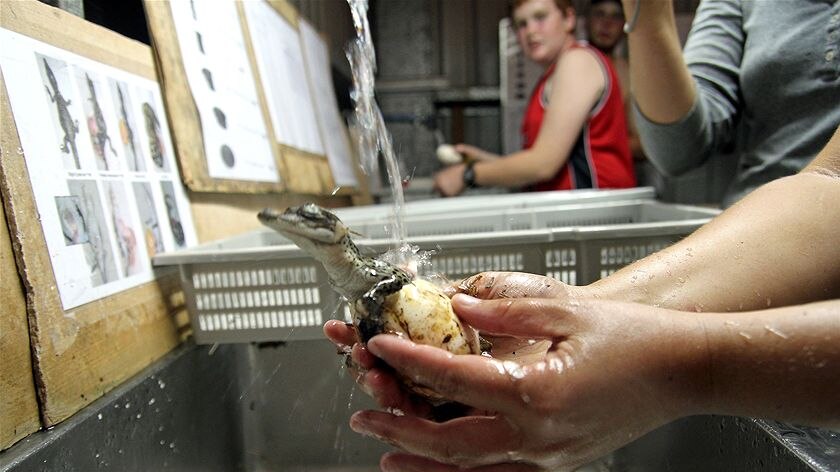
100, 160
218, 70
282, 69
336, 139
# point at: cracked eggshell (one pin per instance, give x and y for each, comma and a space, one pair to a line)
423, 313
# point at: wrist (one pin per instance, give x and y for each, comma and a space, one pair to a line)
468, 177
685, 368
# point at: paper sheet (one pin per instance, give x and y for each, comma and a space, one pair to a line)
222, 84
97, 148
283, 75
335, 135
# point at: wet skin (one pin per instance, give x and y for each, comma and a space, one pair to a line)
604, 374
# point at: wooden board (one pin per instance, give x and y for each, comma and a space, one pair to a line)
239, 211
184, 121
300, 172
18, 408
78, 355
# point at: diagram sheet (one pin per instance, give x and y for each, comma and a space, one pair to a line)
96, 144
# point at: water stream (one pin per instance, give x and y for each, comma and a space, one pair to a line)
373, 137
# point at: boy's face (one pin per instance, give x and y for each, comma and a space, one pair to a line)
604, 25
542, 29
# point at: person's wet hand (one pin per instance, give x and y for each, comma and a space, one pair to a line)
375, 378
489, 285
604, 381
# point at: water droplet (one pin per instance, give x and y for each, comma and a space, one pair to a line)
139, 416
161, 383
172, 445
395, 411
745, 335
128, 404
514, 370
151, 401
776, 332
99, 416
525, 398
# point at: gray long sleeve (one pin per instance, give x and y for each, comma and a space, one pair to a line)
768, 80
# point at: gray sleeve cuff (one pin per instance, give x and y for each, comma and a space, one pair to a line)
675, 148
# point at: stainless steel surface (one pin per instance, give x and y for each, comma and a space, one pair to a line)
182, 413
286, 406
721, 443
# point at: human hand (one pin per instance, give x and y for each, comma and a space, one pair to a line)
375, 378
378, 380
491, 284
604, 381
450, 181
473, 153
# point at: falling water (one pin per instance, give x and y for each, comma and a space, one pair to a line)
373, 137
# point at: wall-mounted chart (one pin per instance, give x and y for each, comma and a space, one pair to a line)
101, 170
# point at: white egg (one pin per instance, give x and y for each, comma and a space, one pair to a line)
447, 154
420, 311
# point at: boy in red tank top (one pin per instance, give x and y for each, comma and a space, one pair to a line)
574, 129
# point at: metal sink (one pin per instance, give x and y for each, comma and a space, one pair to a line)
285, 406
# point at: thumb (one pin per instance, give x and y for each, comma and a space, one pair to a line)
520, 317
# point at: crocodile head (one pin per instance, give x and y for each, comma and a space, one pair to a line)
309, 226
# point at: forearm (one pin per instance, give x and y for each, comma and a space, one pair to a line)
661, 83
776, 247
516, 170
782, 364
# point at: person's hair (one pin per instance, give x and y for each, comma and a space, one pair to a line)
563, 5
592, 3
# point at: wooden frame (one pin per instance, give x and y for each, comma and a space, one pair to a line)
300, 171
81, 354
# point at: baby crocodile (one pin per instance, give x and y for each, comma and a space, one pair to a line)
363, 281
68, 124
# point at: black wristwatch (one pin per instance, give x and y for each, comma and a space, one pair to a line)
469, 175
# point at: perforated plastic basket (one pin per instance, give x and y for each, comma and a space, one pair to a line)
259, 287
507, 201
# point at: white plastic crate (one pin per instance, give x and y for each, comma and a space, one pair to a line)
506, 201
259, 287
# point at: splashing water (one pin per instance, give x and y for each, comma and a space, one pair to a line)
373, 137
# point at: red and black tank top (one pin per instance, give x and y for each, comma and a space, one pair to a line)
600, 157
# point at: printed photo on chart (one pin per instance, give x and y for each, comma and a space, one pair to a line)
153, 132
98, 252
148, 218
129, 133
174, 214
65, 112
99, 119
72, 219
132, 256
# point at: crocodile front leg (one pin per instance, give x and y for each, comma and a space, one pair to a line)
370, 305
